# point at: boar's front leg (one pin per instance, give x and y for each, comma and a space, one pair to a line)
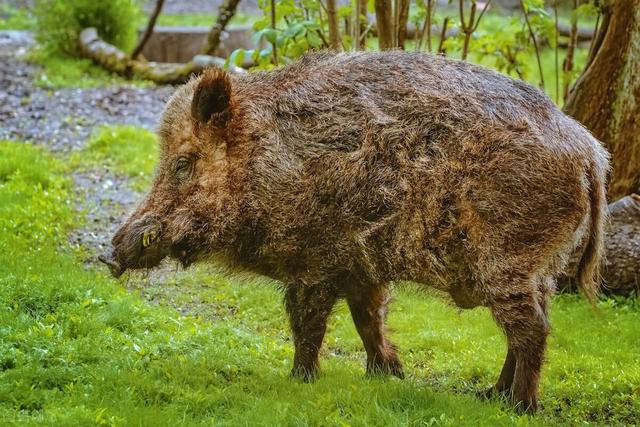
368, 305
309, 307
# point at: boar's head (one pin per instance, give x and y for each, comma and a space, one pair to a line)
195, 195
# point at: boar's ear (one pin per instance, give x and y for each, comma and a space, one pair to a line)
212, 97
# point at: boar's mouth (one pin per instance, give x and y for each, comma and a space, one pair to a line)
183, 253
137, 245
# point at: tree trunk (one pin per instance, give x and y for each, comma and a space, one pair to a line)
362, 37
606, 98
384, 23
225, 13
402, 20
334, 30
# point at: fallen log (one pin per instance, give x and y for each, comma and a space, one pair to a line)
113, 59
621, 267
584, 34
621, 273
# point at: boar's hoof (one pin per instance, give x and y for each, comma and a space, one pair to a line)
493, 392
389, 367
528, 406
305, 375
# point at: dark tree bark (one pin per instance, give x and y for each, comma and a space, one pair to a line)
225, 13
468, 28
606, 97
425, 34
149, 30
443, 36
384, 24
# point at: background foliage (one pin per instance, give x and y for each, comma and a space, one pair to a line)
59, 22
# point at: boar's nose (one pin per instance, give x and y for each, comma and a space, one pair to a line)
114, 266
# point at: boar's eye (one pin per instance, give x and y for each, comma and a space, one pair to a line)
182, 168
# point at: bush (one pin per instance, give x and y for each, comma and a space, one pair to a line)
59, 23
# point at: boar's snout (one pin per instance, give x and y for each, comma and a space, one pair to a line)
137, 244
114, 266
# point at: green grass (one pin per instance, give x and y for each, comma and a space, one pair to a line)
125, 150
12, 18
76, 348
198, 20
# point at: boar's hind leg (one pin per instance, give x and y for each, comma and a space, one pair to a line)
524, 319
368, 307
309, 307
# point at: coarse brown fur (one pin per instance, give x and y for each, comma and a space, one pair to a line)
344, 172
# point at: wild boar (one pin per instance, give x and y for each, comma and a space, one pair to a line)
341, 173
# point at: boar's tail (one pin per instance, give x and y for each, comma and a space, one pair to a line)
588, 273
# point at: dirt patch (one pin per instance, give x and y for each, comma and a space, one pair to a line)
63, 119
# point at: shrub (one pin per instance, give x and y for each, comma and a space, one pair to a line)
59, 23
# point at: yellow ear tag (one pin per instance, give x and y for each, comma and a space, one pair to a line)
148, 237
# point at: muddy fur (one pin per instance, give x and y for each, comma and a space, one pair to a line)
344, 172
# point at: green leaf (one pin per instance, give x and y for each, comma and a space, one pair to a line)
237, 57
314, 39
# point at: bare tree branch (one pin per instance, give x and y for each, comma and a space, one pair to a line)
225, 13
149, 30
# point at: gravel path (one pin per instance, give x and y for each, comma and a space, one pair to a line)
62, 120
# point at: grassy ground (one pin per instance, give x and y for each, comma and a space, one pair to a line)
79, 348
202, 20
125, 150
12, 18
